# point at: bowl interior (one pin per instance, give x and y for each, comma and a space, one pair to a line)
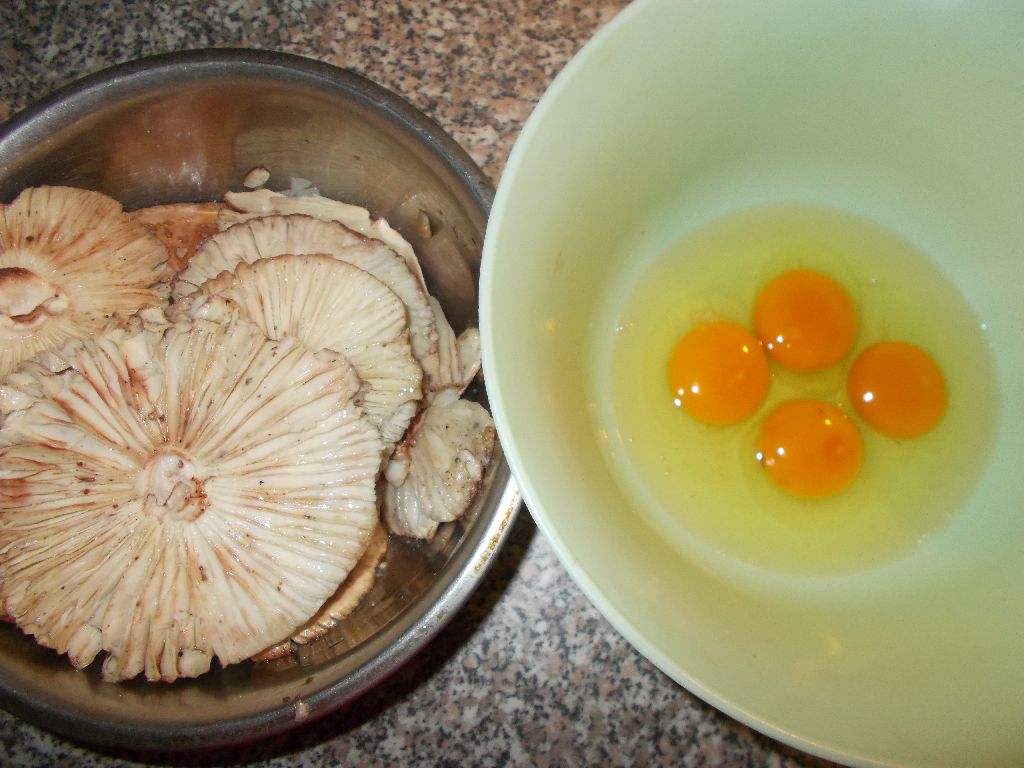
188, 127
908, 114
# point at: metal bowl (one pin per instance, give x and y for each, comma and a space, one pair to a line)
188, 127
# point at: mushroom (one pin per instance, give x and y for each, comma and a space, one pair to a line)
69, 260
275, 235
258, 239
467, 347
338, 607
181, 227
435, 473
260, 202
458, 356
330, 304
203, 489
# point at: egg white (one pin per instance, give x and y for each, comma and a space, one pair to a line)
701, 485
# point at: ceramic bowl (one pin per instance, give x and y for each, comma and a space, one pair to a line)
909, 115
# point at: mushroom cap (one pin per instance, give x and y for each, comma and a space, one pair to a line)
181, 227
69, 260
338, 606
181, 492
435, 473
261, 238
275, 235
448, 367
331, 304
467, 347
260, 202
458, 357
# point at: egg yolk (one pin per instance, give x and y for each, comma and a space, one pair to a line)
806, 320
718, 373
809, 448
897, 388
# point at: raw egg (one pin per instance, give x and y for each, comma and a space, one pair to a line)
718, 373
809, 448
806, 320
699, 483
897, 388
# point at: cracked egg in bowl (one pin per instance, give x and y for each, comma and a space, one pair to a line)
247, 466
760, 267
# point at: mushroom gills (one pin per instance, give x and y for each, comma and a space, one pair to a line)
297, 234
228, 448
329, 304
435, 473
208, 487
70, 259
260, 202
338, 606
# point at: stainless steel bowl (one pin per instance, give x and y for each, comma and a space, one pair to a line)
187, 127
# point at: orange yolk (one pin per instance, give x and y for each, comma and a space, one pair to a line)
718, 373
897, 388
809, 448
806, 320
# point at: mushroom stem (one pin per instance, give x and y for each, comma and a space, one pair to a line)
169, 485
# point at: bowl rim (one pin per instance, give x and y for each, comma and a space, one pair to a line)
74, 99
382, 654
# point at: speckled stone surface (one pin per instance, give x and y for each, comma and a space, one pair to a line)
528, 673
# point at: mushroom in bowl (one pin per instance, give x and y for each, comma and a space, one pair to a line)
186, 129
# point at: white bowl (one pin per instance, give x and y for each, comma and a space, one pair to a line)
909, 114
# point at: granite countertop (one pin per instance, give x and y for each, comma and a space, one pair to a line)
528, 672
